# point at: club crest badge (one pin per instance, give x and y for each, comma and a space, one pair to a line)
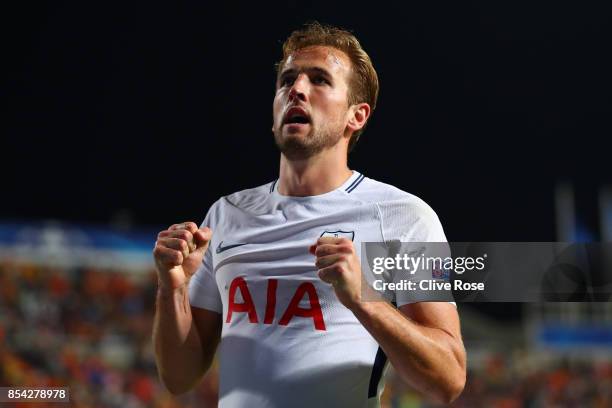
440, 273
339, 234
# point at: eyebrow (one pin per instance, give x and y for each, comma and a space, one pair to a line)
309, 70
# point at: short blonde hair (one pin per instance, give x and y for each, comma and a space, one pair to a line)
363, 83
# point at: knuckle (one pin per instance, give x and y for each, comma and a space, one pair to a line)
326, 249
347, 246
180, 234
205, 239
177, 257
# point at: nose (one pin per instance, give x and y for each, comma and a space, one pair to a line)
299, 89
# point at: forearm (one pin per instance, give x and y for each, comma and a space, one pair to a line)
429, 359
178, 349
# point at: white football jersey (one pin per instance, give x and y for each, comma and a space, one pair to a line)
286, 339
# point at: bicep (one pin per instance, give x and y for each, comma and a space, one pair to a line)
436, 315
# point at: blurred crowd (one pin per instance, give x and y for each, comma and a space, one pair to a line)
86, 329
90, 330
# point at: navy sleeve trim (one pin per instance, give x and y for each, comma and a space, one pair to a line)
377, 371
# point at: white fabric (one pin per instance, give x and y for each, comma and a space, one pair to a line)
266, 364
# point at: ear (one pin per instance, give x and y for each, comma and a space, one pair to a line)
359, 115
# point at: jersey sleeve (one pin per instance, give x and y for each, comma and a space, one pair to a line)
408, 220
203, 289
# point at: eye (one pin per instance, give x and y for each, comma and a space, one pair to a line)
287, 80
320, 80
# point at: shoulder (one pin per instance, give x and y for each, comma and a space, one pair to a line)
389, 196
402, 211
376, 191
248, 200
250, 196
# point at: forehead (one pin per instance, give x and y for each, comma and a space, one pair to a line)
329, 58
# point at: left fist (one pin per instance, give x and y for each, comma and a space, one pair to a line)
339, 265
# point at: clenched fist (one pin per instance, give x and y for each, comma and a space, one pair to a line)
178, 253
339, 265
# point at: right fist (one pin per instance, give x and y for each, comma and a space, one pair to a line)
178, 253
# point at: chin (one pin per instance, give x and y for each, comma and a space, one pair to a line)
294, 147
298, 136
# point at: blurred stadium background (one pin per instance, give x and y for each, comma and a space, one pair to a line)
77, 304
123, 118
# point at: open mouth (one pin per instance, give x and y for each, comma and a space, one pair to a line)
296, 116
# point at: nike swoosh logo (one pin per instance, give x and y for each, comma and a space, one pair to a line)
222, 248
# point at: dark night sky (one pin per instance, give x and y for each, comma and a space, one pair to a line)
158, 109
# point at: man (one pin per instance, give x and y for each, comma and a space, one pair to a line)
274, 276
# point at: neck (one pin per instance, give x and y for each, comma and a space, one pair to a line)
315, 175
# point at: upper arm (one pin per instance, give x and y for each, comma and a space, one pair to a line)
444, 319
439, 321
208, 325
435, 315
